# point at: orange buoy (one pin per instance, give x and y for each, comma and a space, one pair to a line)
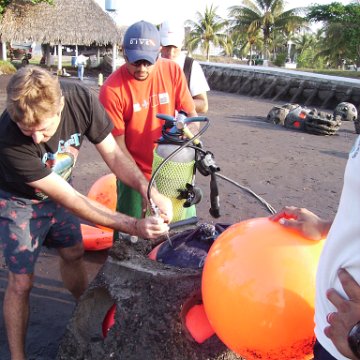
198, 324
104, 191
95, 238
258, 289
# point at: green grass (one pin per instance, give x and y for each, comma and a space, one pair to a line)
6, 67
10, 67
66, 61
331, 72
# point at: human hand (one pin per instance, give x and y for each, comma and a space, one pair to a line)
304, 221
164, 205
151, 227
193, 127
347, 314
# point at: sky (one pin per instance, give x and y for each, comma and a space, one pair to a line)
156, 11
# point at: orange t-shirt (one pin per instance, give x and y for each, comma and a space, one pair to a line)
132, 105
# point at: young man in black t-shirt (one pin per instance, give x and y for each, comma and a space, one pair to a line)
41, 132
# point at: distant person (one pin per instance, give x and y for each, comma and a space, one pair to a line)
41, 132
133, 95
172, 38
80, 62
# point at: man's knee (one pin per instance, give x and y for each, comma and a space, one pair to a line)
20, 284
73, 253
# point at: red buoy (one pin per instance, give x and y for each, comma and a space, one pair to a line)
95, 238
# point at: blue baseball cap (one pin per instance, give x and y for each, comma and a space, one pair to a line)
142, 42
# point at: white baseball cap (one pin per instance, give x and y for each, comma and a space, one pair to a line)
171, 34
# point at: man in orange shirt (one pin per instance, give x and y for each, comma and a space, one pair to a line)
144, 86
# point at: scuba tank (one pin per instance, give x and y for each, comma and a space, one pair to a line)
175, 166
173, 170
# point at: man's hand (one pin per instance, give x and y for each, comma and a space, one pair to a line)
151, 227
347, 315
304, 221
164, 205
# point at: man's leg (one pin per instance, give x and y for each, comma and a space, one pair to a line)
16, 312
21, 247
72, 269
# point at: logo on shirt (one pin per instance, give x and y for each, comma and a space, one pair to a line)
164, 98
154, 101
63, 161
136, 107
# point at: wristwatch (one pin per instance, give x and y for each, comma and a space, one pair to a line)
354, 340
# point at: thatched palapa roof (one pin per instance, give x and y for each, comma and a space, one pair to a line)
70, 22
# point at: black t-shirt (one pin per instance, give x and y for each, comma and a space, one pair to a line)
23, 161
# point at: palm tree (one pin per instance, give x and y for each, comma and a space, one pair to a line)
231, 46
252, 40
208, 29
277, 43
264, 15
311, 49
333, 46
303, 42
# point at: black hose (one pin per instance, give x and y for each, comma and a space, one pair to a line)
190, 221
263, 201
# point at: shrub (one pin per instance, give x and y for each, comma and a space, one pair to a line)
280, 59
